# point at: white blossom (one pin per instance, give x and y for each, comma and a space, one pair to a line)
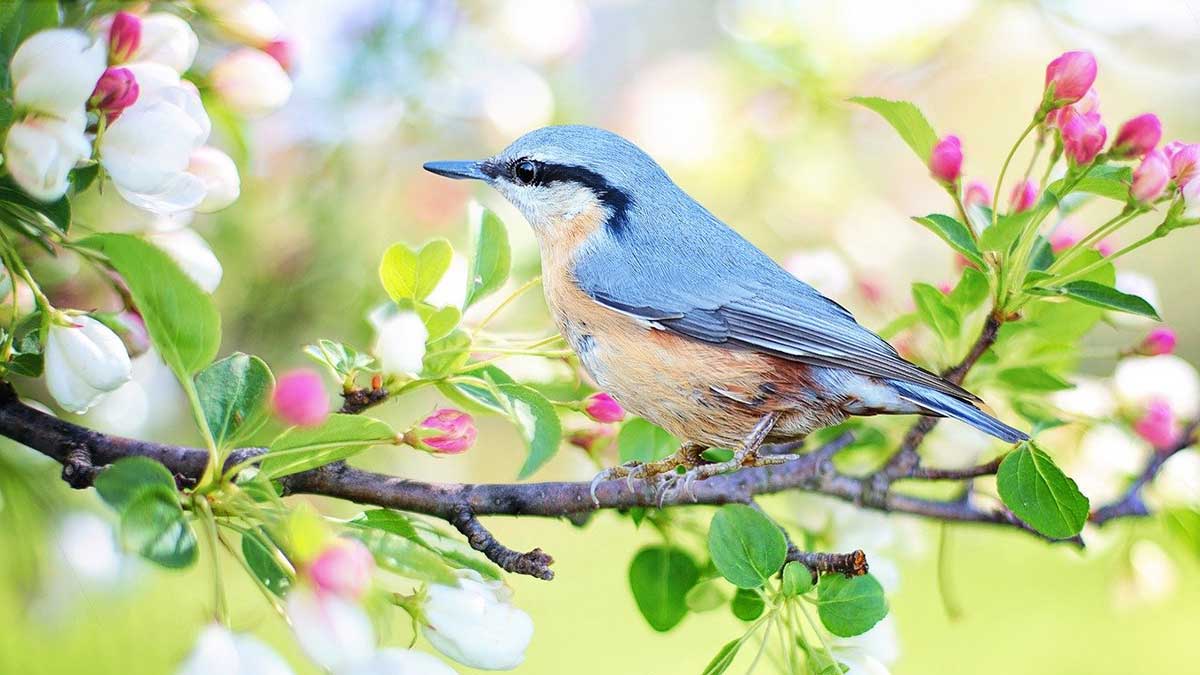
167, 40
219, 175
870, 653
251, 21
400, 341
1138, 380
1178, 481
335, 633
474, 623
1091, 398
84, 361
1108, 456
1141, 286
189, 250
451, 289
220, 651
251, 82
54, 71
41, 151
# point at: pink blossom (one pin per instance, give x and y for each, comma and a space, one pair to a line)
281, 50
446, 432
977, 194
1151, 177
1069, 77
1138, 136
1064, 237
1185, 162
116, 90
603, 408
1158, 425
300, 398
124, 37
592, 441
343, 569
945, 287
1090, 103
1083, 136
945, 162
1106, 246
1024, 195
1158, 341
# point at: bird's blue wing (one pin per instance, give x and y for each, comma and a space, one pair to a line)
709, 284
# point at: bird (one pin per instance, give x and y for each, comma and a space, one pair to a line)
686, 323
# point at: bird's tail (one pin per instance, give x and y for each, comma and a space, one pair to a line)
943, 404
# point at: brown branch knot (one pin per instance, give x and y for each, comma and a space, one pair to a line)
535, 563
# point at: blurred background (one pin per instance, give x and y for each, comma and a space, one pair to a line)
744, 103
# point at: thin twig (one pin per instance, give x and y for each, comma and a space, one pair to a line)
535, 563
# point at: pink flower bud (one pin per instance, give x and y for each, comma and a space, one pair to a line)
446, 432
1185, 163
1138, 136
945, 162
945, 287
1158, 426
1068, 78
603, 408
977, 194
592, 441
1151, 177
124, 37
1024, 195
1157, 342
116, 90
1083, 136
281, 50
1064, 237
131, 328
1106, 246
343, 569
300, 398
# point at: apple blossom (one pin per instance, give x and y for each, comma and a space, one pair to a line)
1158, 426
40, 152
592, 441
116, 90
1064, 237
300, 398
282, 51
1083, 136
1191, 200
1185, 163
147, 150
250, 21
220, 650
1150, 178
54, 72
394, 661
161, 38
1138, 136
1023, 196
945, 162
400, 342
334, 632
84, 360
189, 250
603, 408
1068, 78
446, 432
124, 37
451, 289
977, 194
344, 568
474, 624
1139, 380
251, 82
131, 328
216, 170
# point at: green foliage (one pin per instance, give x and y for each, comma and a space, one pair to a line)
493, 257
1040, 494
234, 393
264, 566
908, 121
39, 214
1032, 379
936, 312
412, 275
478, 395
405, 557
537, 421
797, 579
747, 604
644, 441
724, 658
746, 547
953, 233
1100, 295
1184, 526
706, 595
445, 355
341, 436
850, 606
660, 578
452, 550
1107, 181
344, 361
182, 321
143, 494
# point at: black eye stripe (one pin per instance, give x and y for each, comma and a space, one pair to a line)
617, 200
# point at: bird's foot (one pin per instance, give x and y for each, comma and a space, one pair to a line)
683, 482
658, 472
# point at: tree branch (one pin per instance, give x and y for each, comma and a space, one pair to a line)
535, 563
1131, 504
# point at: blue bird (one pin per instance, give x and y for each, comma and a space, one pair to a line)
686, 323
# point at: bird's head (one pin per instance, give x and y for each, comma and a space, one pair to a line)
555, 175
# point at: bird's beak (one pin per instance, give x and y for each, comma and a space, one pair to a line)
457, 169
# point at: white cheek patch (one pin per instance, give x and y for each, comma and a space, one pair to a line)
545, 205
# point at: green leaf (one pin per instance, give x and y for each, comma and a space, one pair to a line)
182, 320
643, 441
746, 547
747, 604
265, 566
850, 606
899, 325
439, 321
971, 291
537, 421
125, 479
724, 658
344, 361
341, 436
955, 234
493, 258
908, 121
660, 578
153, 524
706, 596
233, 394
1040, 494
717, 454
1100, 295
1001, 236
1033, 378
57, 212
797, 579
412, 275
477, 397
451, 550
405, 557
1184, 526
935, 310
445, 355
1105, 181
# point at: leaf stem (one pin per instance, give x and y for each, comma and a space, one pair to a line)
520, 290
209, 526
1004, 170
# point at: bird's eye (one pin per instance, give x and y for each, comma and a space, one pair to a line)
525, 171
